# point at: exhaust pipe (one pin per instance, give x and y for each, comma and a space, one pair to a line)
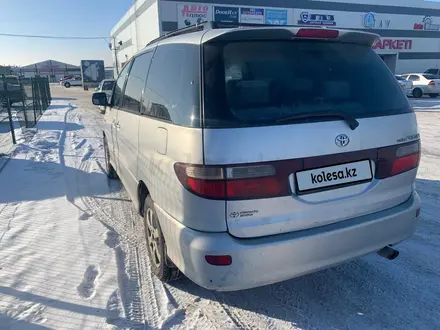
388, 253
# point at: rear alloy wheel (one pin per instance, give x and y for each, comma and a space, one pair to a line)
67, 85
161, 266
433, 95
417, 93
111, 173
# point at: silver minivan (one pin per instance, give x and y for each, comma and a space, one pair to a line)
259, 154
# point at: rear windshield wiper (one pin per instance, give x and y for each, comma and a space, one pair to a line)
351, 121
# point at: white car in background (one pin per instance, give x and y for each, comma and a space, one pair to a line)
106, 86
75, 81
406, 85
424, 84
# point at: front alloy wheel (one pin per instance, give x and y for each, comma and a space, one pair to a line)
111, 173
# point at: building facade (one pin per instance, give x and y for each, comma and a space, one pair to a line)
53, 70
409, 29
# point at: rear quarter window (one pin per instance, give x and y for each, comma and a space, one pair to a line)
252, 83
173, 85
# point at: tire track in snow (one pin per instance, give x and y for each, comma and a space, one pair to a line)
160, 305
127, 281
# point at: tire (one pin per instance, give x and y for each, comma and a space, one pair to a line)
161, 266
111, 173
433, 96
67, 85
417, 93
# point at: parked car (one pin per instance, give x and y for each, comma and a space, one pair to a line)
435, 72
407, 85
75, 81
424, 84
61, 81
106, 86
13, 90
255, 155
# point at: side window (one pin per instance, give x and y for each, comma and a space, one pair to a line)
117, 94
108, 85
414, 78
173, 85
136, 82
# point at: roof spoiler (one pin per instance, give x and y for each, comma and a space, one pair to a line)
266, 31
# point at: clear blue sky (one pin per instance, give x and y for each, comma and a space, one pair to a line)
60, 18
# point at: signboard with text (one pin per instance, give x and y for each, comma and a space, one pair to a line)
193, 14
317, 19
276, 16
226, 14
252, 15
393, 44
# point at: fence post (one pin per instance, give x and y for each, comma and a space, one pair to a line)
11, 123
8, 107
34, 98
23, 99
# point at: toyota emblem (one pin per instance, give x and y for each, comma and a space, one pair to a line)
342, 140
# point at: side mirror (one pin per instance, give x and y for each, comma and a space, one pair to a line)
100, 99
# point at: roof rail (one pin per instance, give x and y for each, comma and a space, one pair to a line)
209, 25
189, 29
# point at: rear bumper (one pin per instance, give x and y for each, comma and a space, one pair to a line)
261, 261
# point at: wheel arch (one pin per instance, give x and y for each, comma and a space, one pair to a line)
142, 193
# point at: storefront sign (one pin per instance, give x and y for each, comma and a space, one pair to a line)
427, 24
276, 17
317, 19
193, 14
252, 15
370, 21
393, 44
226, 14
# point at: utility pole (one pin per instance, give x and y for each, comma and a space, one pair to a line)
116, 56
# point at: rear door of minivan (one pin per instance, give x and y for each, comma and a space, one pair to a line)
280, 120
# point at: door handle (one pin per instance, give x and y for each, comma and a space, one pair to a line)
118, 126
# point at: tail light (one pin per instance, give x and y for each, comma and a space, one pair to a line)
317, 33
397, 159
233, 182
432, 83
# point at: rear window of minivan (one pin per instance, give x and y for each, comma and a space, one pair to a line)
255, 83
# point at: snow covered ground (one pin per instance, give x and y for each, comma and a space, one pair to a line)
70, 259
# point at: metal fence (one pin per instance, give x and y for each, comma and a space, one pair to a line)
22, 103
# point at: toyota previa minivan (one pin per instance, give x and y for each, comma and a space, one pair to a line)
259, 154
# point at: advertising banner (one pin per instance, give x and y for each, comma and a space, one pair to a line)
226, 14
308, 18
192, 14
252, 15
276, 16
